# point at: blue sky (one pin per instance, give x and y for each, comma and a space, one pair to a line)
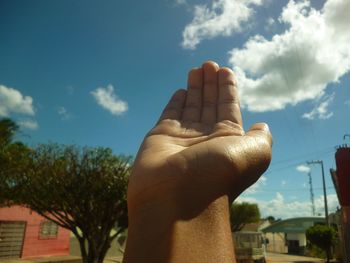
98, 73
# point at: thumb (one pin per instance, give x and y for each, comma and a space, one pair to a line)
260, 130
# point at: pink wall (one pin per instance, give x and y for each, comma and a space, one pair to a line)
33, 246
342, 159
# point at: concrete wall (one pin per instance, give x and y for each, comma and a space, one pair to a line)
301, 237
34, 246
276, 243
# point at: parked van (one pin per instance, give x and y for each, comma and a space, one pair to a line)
249, 247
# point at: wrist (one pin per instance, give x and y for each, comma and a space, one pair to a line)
205, 236
160, 227
150, 232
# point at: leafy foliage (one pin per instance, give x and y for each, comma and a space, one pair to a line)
8, 129
12, 156
242, 214
13, 162
81, 189
321, 236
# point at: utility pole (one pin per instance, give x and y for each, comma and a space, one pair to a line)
311, 195
324, 189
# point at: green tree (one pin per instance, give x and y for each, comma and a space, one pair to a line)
242, 214
12, 159
323, 237
8, 129
83, 190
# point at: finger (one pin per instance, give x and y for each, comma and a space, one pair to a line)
261, 148
192, 110
175, 105
210, 93
228, 101
261, 130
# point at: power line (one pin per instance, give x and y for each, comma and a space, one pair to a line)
294, 164
322, 151
291, 189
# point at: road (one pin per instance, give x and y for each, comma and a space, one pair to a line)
284, 258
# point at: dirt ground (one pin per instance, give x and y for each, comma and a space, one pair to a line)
74, 249
285, 258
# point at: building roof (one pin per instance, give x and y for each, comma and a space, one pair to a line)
256, 226
293, 225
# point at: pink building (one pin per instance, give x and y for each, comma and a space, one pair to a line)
341, 180
25, 234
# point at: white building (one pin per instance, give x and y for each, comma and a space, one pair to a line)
293, 230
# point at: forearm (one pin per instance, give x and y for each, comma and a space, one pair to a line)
160, 234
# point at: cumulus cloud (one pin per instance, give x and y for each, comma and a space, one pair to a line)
28, 124
222, 18
279, 208
303, 168
12, 101
320, 111
107, 98
297, 64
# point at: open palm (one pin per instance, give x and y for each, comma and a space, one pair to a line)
198, 147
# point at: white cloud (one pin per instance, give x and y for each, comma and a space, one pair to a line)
270, 21
303, 168
283, 183
223, 18
332, 202
258, 184
279, 208
65, 115
320, 111
270, 24
180, 2
298, 64
107, 98
28, 124
12, 101
347, 102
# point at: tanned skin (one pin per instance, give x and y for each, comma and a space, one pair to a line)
190, 167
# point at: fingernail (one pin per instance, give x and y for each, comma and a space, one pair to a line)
264, 126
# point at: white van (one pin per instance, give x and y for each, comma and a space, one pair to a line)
249, 247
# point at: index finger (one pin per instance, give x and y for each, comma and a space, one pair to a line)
228, 99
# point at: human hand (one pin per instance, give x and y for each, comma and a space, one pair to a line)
198, 150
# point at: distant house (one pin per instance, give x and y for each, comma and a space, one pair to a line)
293, 230
25, 234
275, 242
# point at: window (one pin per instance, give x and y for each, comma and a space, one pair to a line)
48, 230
